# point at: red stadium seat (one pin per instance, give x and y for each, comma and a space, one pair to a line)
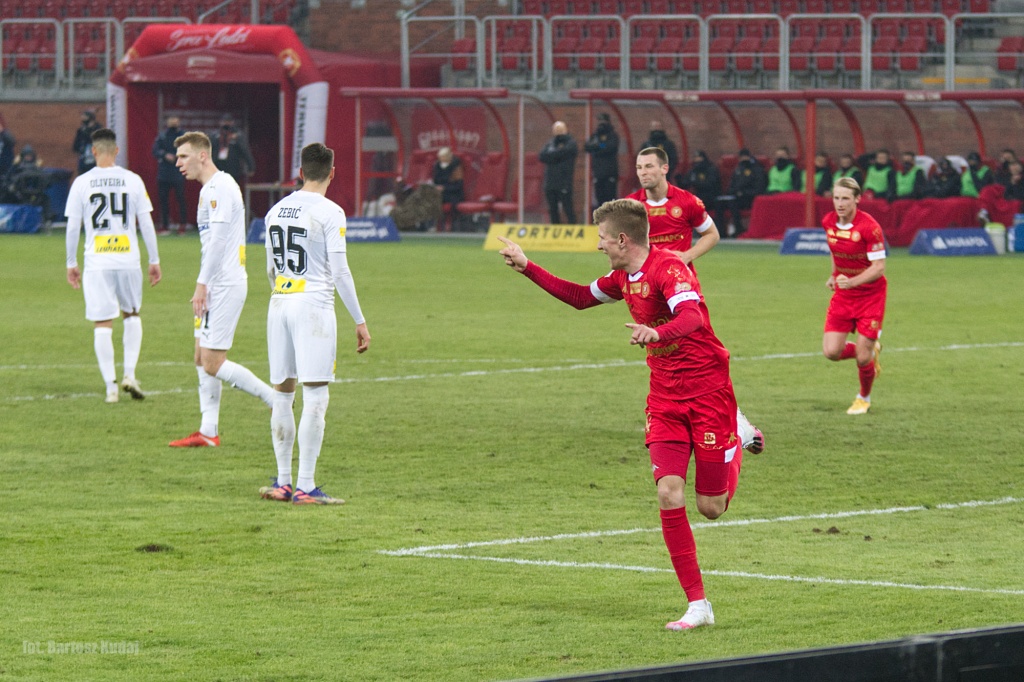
770, 54
842, 7
1009, 55
883, 52
562, 52
718, 53
632, 7
759, 29
421, 166
979, 6
911, 50
709, 7
570, 29
558, 7
646, 29
513, 53
640, 51
787, 7
667, 52
851, 55
800, 53
611, 54
869, 7
726, 29
745, 54
951, 7
916, 28
815, 7
608, 7
466, 47
689, 54
675, 29
588, 52
532, 7
734, 6
533, 196
894, 6
602, 29
489, 185
685, 7
833, 28
889, 28
826, 54
922, 6
762, 7
659, 7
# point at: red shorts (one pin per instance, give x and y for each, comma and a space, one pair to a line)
705, 425
862, 314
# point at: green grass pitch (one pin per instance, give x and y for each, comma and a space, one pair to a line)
485, 411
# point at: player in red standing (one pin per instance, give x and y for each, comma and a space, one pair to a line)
673, 215
858, 282
691, 406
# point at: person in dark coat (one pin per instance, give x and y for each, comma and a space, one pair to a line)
6, 151
659, 138
748, 181
848, 169
559, 159
603, 147
83, 141
945, 183
704, 181
230, 150
168, 176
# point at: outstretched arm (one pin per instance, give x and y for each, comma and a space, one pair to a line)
579, 296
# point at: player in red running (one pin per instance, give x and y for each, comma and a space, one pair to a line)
858, 282
673, 215
691, 406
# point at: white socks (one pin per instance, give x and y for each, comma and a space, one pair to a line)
242, 379
132, 344
209, 402
282, 433
744, 428
103, 343
311, 433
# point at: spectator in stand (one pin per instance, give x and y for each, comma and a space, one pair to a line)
880, 180
704, 181
848, 169
945, 183
6, 151
822, 176
659, 138
910, 180
748, 181
231, 150
168, 176
447, 175
1015, 186
1003, 173
783, 176
559, 159
975, 177
83, 141
603, 147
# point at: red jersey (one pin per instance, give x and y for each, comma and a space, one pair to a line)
674, 219
854, 247
682, 368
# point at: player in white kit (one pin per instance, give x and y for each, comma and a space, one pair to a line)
114, 203
221, 287
306, 262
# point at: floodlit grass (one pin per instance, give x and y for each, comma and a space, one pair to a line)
487, 410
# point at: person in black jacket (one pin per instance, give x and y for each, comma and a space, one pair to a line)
559, 159
848, 169
1015, 186
659, 138
748, 181
230, 150
603, 147
83, 141
704, 181
6, 151
168, 176
910, 180
945, 183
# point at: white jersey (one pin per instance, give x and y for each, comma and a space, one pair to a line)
110, 201
221, 224
302, 229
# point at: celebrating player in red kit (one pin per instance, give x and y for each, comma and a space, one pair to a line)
690, 407
858, 280
673, 214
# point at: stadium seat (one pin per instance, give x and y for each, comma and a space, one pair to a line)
889, 28
632, 8
826, 54
911, 50
787, 7
894, 6
571, 29
833, 28
640, 51
25, 54
686, 7
562, 52
922, 6
611, 54
558, 8
588, 52
421, 166
533, 196
532, 7
936, 30
602, 29
950, 7
851, 54
718, 53
667, 52
745, 54
514, 54
842, 7
646, 29
463, 52
916, 28
815, 7
762, 7
770, 54
659, 7
1010, 54
734, 7
800, 53
756, 28
726, 29
979, 6
883, 52
869, 7
676, 29
489, 185
608, 7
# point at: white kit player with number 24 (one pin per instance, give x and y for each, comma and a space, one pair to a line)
306, 263
113, 203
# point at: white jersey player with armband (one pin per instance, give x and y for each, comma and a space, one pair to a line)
221, 287
113, 203
306, 263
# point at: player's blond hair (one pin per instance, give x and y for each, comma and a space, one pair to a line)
198, 140
848, 183
627, 216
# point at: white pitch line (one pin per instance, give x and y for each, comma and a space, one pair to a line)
414, 551
575, 366
724, 574
76, 396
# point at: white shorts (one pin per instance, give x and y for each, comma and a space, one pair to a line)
216, 329
110, 292
302, 340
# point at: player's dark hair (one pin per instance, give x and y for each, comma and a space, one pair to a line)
105, 139
656, 151
625, 215
199, 141
317, 161
848, 183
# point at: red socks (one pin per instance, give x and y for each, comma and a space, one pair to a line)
867, 378
682, 549
849, 351
734, 472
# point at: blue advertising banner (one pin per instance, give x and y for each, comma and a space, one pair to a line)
973, 241
804, 241
380, 229
20, 218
